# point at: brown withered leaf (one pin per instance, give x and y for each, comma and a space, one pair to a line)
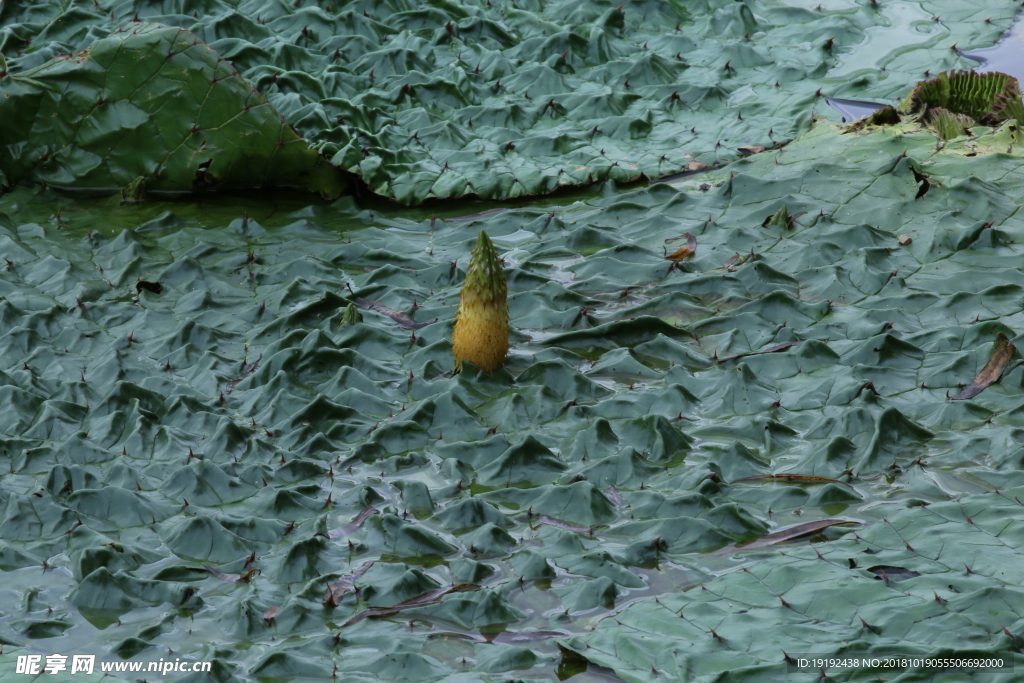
798, 478
904, 240
272, 612
773, 349
336, 591
402, 319
784, 535
428, 598
992, 371
696, 166
687, 251
747, 150
354, 524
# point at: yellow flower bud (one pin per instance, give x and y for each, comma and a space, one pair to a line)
481, 323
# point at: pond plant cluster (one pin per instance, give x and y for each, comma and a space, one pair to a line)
510, 340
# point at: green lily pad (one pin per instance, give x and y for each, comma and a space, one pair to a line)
151, 102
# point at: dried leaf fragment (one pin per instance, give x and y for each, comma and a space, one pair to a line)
354, 524
798, 478
747, 150
696, 165
773, 349
686, 251
272, 612
784, 535
905, 240
992, 371
428, 598
336, 591
402, 319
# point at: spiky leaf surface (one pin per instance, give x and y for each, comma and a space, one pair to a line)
1009, 106
963, 92
949, 125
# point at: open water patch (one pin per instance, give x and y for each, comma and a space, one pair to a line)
1006, 56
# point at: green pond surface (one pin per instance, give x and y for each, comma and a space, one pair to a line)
202, 459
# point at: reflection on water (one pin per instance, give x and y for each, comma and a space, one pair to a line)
1006, 56
852, 110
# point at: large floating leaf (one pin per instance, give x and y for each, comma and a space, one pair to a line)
151, 102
